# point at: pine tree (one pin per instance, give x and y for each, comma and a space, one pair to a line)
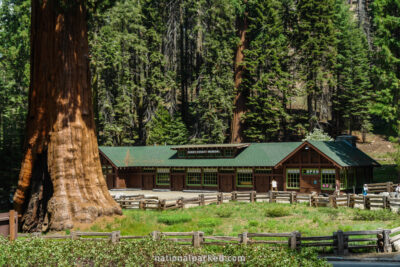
316, 46
166, 130
129, 77
14, 85
353, 87
266, 76
212, 87
386, 27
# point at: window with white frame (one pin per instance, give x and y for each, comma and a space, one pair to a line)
292, 178
328, 179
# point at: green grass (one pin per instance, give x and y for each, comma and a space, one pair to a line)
248, 217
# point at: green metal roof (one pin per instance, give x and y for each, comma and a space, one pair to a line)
344, 154
256, 154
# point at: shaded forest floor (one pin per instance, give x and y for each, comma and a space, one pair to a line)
380, 149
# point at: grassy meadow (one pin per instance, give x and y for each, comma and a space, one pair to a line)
236, 217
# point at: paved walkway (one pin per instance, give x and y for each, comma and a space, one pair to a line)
160, 194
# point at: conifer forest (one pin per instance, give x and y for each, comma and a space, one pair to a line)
219, 71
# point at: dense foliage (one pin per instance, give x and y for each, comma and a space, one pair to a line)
40, 252
163, 71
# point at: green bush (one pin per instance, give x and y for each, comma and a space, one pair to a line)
209, 222
224, 213
278, 212
375, 215
40, 252
253, 223
171, 219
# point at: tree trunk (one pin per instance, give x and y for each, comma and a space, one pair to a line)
239, 102
61, 181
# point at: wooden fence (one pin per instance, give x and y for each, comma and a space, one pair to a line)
340, 242
9, 224
371, 202
381, 187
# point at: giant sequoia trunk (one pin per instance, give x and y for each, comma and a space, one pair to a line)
240, 97
61, 181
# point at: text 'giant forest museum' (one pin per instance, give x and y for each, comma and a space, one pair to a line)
319, 166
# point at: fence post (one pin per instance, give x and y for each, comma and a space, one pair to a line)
13, 224
141, 204
115, 235
380, 241
389, 187
202, 202
332, 201
74, 236
293, 240
196, 239
384, 199
387, 247
340, 242
348, 200
220, 198
155, 235
252, 193
243, 238
234, 195
292, 197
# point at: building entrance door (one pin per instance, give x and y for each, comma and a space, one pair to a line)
148, 181
226, 182
177, 182
262, 183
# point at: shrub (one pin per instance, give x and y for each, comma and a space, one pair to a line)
209, 222
224, 213
375, 215
171, 219
41, 252
277, 212
253, 223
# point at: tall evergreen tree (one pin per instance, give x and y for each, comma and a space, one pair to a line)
316, 47
351, 97
14, 84
166, 130
212, 86
386, 26
266, 76
129, 79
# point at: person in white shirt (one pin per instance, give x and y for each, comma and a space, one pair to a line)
274, 185
397, 190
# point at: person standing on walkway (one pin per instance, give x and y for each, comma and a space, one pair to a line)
365, 190
397, 190
274, 185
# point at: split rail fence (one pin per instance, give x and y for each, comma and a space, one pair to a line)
340, 242
9, 224
371, 202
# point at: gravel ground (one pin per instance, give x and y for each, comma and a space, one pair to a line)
160, 194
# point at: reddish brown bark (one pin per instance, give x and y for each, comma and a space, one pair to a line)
61, 181
239, 102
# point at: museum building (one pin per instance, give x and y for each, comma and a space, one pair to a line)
309, 166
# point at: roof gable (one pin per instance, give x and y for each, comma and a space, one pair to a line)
343, 153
